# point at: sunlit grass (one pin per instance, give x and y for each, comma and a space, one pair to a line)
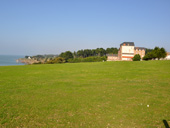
101, 94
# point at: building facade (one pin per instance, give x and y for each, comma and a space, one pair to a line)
140, 51
167, 56
126, 52
112, 57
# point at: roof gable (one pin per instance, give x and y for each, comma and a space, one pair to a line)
127, 44
140, 48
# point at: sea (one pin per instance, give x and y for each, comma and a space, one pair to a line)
7, 60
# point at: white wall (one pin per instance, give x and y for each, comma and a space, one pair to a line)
127, 55
126, 59
167, 57
128, 49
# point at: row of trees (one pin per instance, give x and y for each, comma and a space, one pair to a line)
92, 54
95, 52
155, 53
152, 54
88, 52
65, 56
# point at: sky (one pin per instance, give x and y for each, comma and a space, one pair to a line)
31, 27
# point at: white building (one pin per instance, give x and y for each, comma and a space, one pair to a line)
168, 56
126, 51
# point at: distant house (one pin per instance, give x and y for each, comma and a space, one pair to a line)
168, 56
112, 57
140, 51
126, 52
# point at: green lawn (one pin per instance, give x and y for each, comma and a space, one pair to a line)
87, 95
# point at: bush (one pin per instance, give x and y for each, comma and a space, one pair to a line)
67, 55
56, 60
136, 57
37, 63
88, 59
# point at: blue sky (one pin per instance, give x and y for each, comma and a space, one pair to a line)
30, 27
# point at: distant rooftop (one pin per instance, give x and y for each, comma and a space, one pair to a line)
141, 48
127, 44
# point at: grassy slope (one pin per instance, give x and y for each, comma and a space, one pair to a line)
102, 94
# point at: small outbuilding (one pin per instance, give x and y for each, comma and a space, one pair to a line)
112, 57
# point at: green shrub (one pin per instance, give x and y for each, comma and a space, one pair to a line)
66, 55
88, 59
38, 63
56, 60
136, 57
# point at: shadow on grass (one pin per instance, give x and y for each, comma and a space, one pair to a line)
166, 124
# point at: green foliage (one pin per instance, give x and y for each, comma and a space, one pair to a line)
88, 59
150, 56
38, 57
56, 60
66, 55
95, 52
101, 52
163, 52
38, 63
26, 57
136, 57
112, 51
156, 53
147, 50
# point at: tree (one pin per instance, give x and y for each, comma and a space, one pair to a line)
26, 57
148, 50
156, 53
80, 53
87, 52
136, 57
112, 50
94, 52
101, 51
163, 53
160, 52
56, 60
75, 54
67, 55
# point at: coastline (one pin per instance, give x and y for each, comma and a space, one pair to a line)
27, 61
10, 60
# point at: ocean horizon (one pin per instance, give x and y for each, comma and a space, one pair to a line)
8, 60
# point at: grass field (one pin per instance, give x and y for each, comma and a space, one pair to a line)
87, 95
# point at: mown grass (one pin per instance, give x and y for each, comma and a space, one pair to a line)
88, 95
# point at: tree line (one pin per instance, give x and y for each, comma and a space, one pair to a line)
93, 55
83, 55
156, 53
89, 52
